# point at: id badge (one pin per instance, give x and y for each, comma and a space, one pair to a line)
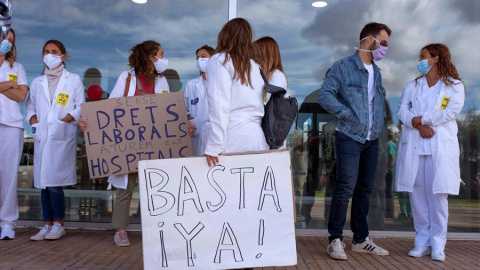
62, 99
444, 103
13, 77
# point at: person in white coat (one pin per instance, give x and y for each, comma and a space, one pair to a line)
196, 102
53, 110
428, 152
147, 61
235, 94
268, 56
13, 90
270, 60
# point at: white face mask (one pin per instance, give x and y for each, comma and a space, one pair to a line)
52, 61
202, 64
161, 64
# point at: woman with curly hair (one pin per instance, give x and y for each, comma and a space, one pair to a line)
147, 62
428, 151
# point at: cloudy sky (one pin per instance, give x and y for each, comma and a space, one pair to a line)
100, 33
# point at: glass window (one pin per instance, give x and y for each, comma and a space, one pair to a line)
98, 36
312, 39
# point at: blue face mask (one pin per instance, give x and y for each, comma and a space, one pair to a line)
5, 47
423, 66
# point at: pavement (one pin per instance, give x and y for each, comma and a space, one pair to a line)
94, 249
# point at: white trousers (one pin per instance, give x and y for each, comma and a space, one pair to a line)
10, 153
429, 211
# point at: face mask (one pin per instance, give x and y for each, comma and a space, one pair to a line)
202, 64
52, 61
423, 66
379, 53
5, 47
161, 64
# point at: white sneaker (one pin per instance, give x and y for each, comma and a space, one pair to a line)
41, 234
336, 250
121, 239
369, 247
419, 252
438, 256
56, 232
8, 231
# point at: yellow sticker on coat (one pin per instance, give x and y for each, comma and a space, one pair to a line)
12, 77
62, 99
164, 91
444, 103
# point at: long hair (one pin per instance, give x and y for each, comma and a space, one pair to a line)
60, 46
11, 56
267, 54
446, 68
139, 59
235, 40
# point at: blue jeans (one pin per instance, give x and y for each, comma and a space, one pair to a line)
356, 167
53, 204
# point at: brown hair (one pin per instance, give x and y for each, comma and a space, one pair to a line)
139, 60
267, 54
11, 56
235, 40
60, 46
373, 29
446, 68
207, 48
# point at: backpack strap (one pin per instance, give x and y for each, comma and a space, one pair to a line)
127, 84
272, 89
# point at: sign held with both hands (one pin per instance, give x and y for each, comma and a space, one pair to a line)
123, 131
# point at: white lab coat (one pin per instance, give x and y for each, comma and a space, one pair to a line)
235, 110
161, 86
55, 142
197, 106
444, 144
10, 114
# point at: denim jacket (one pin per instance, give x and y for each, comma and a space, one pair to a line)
344, 93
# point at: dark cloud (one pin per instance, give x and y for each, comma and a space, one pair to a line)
469, 9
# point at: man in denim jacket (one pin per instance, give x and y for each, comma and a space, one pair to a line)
353, 92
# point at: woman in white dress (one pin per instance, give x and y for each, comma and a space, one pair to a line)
235, 94
13, 91
428, 152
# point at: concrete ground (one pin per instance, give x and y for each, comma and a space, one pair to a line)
94, 249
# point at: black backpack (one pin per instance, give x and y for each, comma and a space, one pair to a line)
279, 115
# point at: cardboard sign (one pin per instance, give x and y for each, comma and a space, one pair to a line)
234, 215
123, 131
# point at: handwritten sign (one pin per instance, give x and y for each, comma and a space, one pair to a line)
234, 215
123, 131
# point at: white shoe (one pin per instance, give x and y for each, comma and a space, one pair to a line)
438, 256
336, 249
8, 232
56, 232
41, 234
121, 239
369, 247
419, 252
